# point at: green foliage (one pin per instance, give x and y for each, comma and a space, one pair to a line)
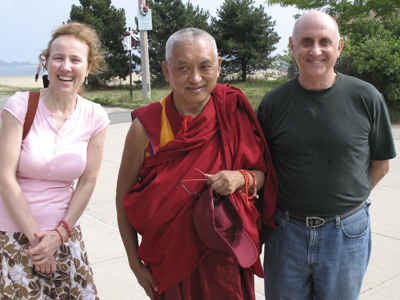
345, 10
121, 98
245, 37
109, 23
286, 63
372, 54
168, 17
371, 29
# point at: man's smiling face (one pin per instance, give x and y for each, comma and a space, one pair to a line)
316, 46
192, 72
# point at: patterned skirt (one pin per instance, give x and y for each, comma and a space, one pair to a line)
19, 280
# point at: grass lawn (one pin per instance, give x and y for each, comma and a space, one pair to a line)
253, 89
120, 96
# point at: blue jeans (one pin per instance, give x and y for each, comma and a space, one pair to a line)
324, 263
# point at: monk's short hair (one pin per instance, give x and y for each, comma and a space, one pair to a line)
188, 35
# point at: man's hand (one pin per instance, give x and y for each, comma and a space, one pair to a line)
225, 182
145, 279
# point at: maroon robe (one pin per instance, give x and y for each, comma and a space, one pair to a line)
225, 136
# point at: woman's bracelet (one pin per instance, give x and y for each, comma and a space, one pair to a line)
62, 241
66, 227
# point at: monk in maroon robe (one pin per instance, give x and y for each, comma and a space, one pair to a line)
202, 126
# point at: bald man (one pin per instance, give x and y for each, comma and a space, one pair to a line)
331, 141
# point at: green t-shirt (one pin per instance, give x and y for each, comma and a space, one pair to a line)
322, 143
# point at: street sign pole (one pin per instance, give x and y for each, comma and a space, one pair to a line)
130, 66
145, 60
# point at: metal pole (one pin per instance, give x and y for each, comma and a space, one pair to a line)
130, 71
130, 67
144, 49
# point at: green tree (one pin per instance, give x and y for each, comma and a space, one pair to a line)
168, 17
245, 37
109, 23
372, 54
346, 10
371, 29
286, 63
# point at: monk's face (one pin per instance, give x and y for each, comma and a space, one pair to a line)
192, 72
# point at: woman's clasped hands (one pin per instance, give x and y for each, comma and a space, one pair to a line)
42, 251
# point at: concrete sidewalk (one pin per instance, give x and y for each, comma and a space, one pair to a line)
115, 280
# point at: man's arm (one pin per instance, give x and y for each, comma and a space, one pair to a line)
132, 159
377, 170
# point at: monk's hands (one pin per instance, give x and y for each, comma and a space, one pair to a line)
225, 182
145, 279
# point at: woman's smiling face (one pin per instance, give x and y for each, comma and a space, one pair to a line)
68, 64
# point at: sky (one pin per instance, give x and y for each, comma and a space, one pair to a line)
26, 25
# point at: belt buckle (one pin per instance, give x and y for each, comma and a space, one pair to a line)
308, 219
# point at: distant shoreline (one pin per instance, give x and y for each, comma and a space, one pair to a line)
28, 81
18, 70
17, 66
23, 81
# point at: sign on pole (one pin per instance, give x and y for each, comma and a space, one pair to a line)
144, 18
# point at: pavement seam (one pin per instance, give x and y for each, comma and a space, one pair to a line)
100, 221
105, 223
390, 237
386, 281
110, 161
108, 260
259, 294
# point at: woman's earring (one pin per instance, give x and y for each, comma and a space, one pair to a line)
86, 80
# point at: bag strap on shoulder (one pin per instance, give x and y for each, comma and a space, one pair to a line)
31, 112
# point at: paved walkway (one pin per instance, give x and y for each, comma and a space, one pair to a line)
115, 280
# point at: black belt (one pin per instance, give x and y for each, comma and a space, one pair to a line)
314, 222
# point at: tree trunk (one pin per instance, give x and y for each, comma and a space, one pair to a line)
244, 72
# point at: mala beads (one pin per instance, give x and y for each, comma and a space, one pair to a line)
246, 174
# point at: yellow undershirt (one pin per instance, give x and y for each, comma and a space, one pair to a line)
166, 134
